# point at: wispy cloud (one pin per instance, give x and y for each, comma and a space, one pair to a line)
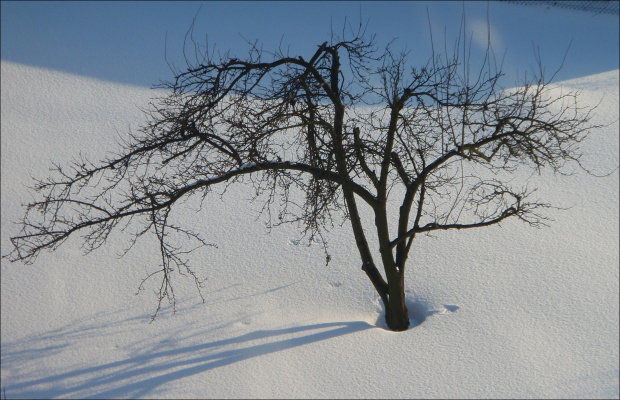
482, 31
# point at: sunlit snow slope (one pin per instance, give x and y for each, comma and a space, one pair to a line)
504, 312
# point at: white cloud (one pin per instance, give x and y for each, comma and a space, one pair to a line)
480, 30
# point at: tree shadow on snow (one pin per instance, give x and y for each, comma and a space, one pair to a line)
139, 375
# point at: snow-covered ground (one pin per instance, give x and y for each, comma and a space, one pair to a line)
502, 312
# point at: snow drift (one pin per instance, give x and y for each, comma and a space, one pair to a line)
500, 312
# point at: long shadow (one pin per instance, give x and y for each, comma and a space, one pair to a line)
137, 376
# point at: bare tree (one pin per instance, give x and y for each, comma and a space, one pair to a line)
344, 125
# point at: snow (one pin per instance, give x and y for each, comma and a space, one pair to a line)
500, 312
247, 165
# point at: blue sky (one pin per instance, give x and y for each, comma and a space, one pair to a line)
126, 41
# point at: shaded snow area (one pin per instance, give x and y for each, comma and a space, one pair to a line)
499, 312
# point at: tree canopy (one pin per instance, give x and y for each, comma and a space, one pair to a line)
349, 123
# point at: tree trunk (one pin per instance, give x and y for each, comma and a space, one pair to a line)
396, 314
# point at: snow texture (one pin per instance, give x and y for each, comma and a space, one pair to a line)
499, 312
